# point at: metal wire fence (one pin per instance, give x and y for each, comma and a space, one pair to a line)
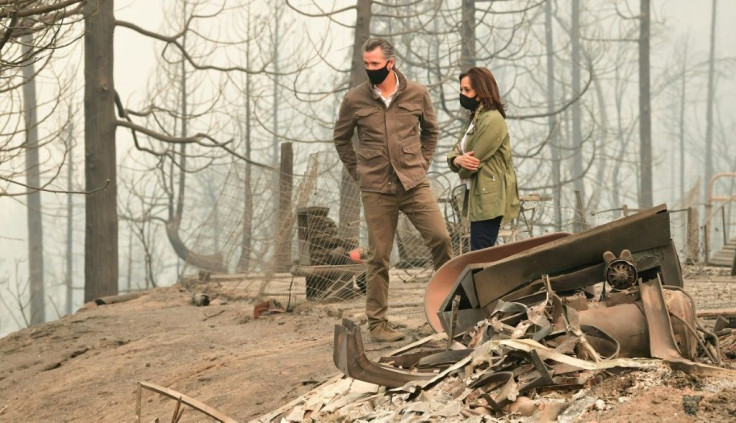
303, 236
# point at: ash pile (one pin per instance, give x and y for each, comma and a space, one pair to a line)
519, 323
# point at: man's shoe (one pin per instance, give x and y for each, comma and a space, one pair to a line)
385, 333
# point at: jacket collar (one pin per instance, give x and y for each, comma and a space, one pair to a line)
478, 112
399, 89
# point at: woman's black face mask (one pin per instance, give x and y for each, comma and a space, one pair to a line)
468, 102
377, 75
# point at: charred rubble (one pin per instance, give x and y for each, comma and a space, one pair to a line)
559, 311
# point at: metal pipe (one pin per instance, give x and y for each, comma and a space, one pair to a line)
709, 206
453, 321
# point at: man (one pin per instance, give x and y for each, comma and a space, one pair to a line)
397, 136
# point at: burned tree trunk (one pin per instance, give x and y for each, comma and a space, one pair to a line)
33, 179
577, 131
69, 279
246, 237
101, 220
467, 34
645, 112
552, 118
709, 100
349, 194
213, 262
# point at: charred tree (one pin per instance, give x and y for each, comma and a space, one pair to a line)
645, 112
101, 222
681, 134
552, 118
348, 227
33, 179
710, 101
213, 263
467, 34
69, 279
577, 131
246, 241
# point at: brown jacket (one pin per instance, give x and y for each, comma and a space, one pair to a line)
394, 142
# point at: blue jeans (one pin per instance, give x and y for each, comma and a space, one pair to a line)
483, 233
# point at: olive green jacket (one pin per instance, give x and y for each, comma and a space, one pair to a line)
493, 190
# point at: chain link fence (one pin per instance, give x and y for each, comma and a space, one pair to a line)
295, 237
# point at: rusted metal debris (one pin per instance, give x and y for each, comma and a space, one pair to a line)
552, 312
444, 279
267, 307
180, 399
725, 312
349, 356
573, 262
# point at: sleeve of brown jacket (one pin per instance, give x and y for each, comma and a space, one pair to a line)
430, 130
343, 138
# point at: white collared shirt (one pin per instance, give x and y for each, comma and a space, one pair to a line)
387, 100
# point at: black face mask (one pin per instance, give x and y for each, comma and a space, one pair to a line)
468, 102
377, 75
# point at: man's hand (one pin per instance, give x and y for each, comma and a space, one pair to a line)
467, 161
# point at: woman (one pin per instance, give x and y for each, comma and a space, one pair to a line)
482, 159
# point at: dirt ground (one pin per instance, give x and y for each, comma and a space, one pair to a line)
85, 367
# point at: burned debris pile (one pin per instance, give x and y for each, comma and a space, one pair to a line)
556, 314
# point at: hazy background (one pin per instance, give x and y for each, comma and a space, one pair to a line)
677, 25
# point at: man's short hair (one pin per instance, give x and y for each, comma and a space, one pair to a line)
373, 43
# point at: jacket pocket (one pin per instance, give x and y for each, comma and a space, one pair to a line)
369, 124
368, 154
413, 108
412, 154
412, 148
488, 183
371, 168
365, 111
407, 119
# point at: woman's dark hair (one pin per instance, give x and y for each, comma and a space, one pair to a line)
485, 87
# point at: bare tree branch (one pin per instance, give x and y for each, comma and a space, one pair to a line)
322, 12
53, 191
41, 10
173, 40
561, 108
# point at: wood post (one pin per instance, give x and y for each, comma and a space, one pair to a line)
282, 254
579, 220
692, 236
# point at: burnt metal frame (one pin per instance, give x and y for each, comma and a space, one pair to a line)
573, 262
349, 356
180, 399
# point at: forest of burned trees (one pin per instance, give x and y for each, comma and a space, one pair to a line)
609, 105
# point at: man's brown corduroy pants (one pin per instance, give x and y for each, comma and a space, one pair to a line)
382, 216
